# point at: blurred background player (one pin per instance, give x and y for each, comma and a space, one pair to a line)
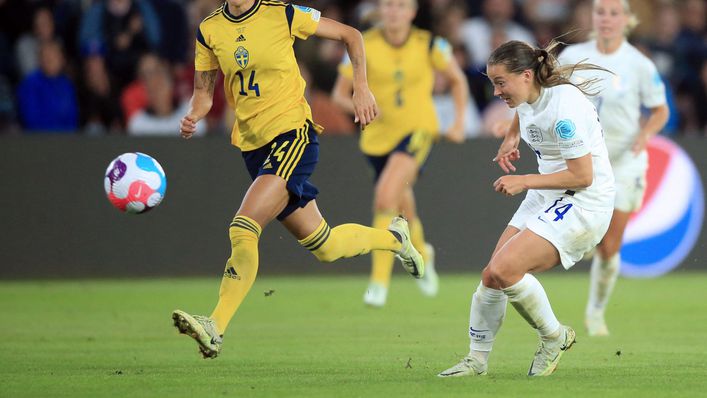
279, 144
565, 213
635, 83
401, 63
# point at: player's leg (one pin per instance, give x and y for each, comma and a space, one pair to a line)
510, 269
399, 172
351, 240
266, 197
429, 284
604, 272
486, 314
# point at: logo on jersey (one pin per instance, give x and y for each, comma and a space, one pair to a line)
535, 135
241, 55
309, 10
660, 235
565, 129
240, 38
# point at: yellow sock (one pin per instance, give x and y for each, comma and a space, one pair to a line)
382, 262
241, 269
348, 240
417, 236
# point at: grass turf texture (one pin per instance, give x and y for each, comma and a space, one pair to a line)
313, 337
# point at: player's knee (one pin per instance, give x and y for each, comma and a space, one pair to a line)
323, 243
488, 279
243, 229
385, 203
501, 271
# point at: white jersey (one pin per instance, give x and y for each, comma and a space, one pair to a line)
635, 82
563, 124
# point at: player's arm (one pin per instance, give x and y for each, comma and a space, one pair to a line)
579, 174
656, 121
201, 101
364, 104
508, 151
460, 94
341, 93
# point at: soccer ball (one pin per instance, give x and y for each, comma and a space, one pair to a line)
135, 183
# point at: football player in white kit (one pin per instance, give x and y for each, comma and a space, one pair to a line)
634, 83
565, 213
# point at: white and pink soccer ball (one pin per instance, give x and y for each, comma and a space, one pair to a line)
135, 183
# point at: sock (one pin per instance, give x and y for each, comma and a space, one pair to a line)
488, 309
601, 282
241, 269
348, 240
530, 300
382, 261
417, 236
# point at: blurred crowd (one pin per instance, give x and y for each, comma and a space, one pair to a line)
126, 66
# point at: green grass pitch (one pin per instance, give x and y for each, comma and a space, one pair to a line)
313, 337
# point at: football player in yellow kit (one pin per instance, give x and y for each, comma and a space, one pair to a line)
401, 64
251, 42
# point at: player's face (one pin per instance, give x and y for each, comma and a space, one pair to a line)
609, 19
397, 14
513, 88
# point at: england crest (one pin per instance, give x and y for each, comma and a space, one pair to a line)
535, 135
241, 55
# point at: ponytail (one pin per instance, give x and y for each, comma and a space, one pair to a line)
518, 56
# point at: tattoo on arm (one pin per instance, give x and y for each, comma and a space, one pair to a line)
205, 80
355, 60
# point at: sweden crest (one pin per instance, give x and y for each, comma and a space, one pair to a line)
241, 55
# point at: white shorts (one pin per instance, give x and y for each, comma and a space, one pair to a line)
571, 229
630, 177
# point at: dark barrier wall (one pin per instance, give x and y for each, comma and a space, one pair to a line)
56, 221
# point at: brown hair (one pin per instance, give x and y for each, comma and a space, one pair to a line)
518, 56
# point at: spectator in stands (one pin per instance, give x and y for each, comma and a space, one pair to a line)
120, 31
134, 96
477, 32
174, 29
100, 109
690, 53
579, 23
666, 28
27, 47
46, 97
163, 112
483, 34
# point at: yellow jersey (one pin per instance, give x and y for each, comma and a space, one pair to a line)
401, 79
262, 79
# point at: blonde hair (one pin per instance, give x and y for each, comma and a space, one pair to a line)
632, 18
518, 56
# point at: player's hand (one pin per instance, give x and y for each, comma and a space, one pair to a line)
508, 153
640, 144
365, 107
455, 134
510, 185
187, 126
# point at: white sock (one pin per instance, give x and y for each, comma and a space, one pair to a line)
601, 282
488, 308
529, 299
